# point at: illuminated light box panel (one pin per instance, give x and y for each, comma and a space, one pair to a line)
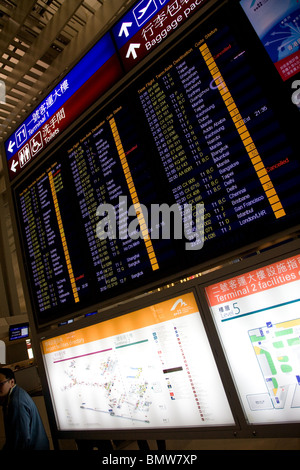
152, 368
18, 331
256, 314
197, 127
280, 20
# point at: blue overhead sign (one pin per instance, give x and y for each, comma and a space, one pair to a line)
27, 141
135, 19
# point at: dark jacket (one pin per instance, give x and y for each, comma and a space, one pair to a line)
24, 429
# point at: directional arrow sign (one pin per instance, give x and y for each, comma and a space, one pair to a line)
131, 50
14, 165
147, 24
11, 146
124, 29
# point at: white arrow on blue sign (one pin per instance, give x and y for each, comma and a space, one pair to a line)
124, 29
11, 146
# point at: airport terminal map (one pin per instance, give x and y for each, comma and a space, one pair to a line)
277, 348
155, 370
257, 317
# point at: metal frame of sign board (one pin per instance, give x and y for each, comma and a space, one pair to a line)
227, 431
255, 262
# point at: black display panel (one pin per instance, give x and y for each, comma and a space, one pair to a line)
19, 331
70, 265
201, 126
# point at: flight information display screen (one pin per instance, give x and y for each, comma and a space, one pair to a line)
18, 331
70, 265
139, 370
200, 128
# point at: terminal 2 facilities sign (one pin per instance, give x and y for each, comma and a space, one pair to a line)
257, 316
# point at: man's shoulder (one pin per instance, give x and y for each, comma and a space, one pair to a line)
20, 394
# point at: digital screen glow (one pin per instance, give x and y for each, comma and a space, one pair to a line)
197, 127
18, 331
152, 368
257, 318
277, 23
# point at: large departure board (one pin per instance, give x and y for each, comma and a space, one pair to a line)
201, 126
70, 265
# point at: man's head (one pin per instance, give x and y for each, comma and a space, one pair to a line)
7, 381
